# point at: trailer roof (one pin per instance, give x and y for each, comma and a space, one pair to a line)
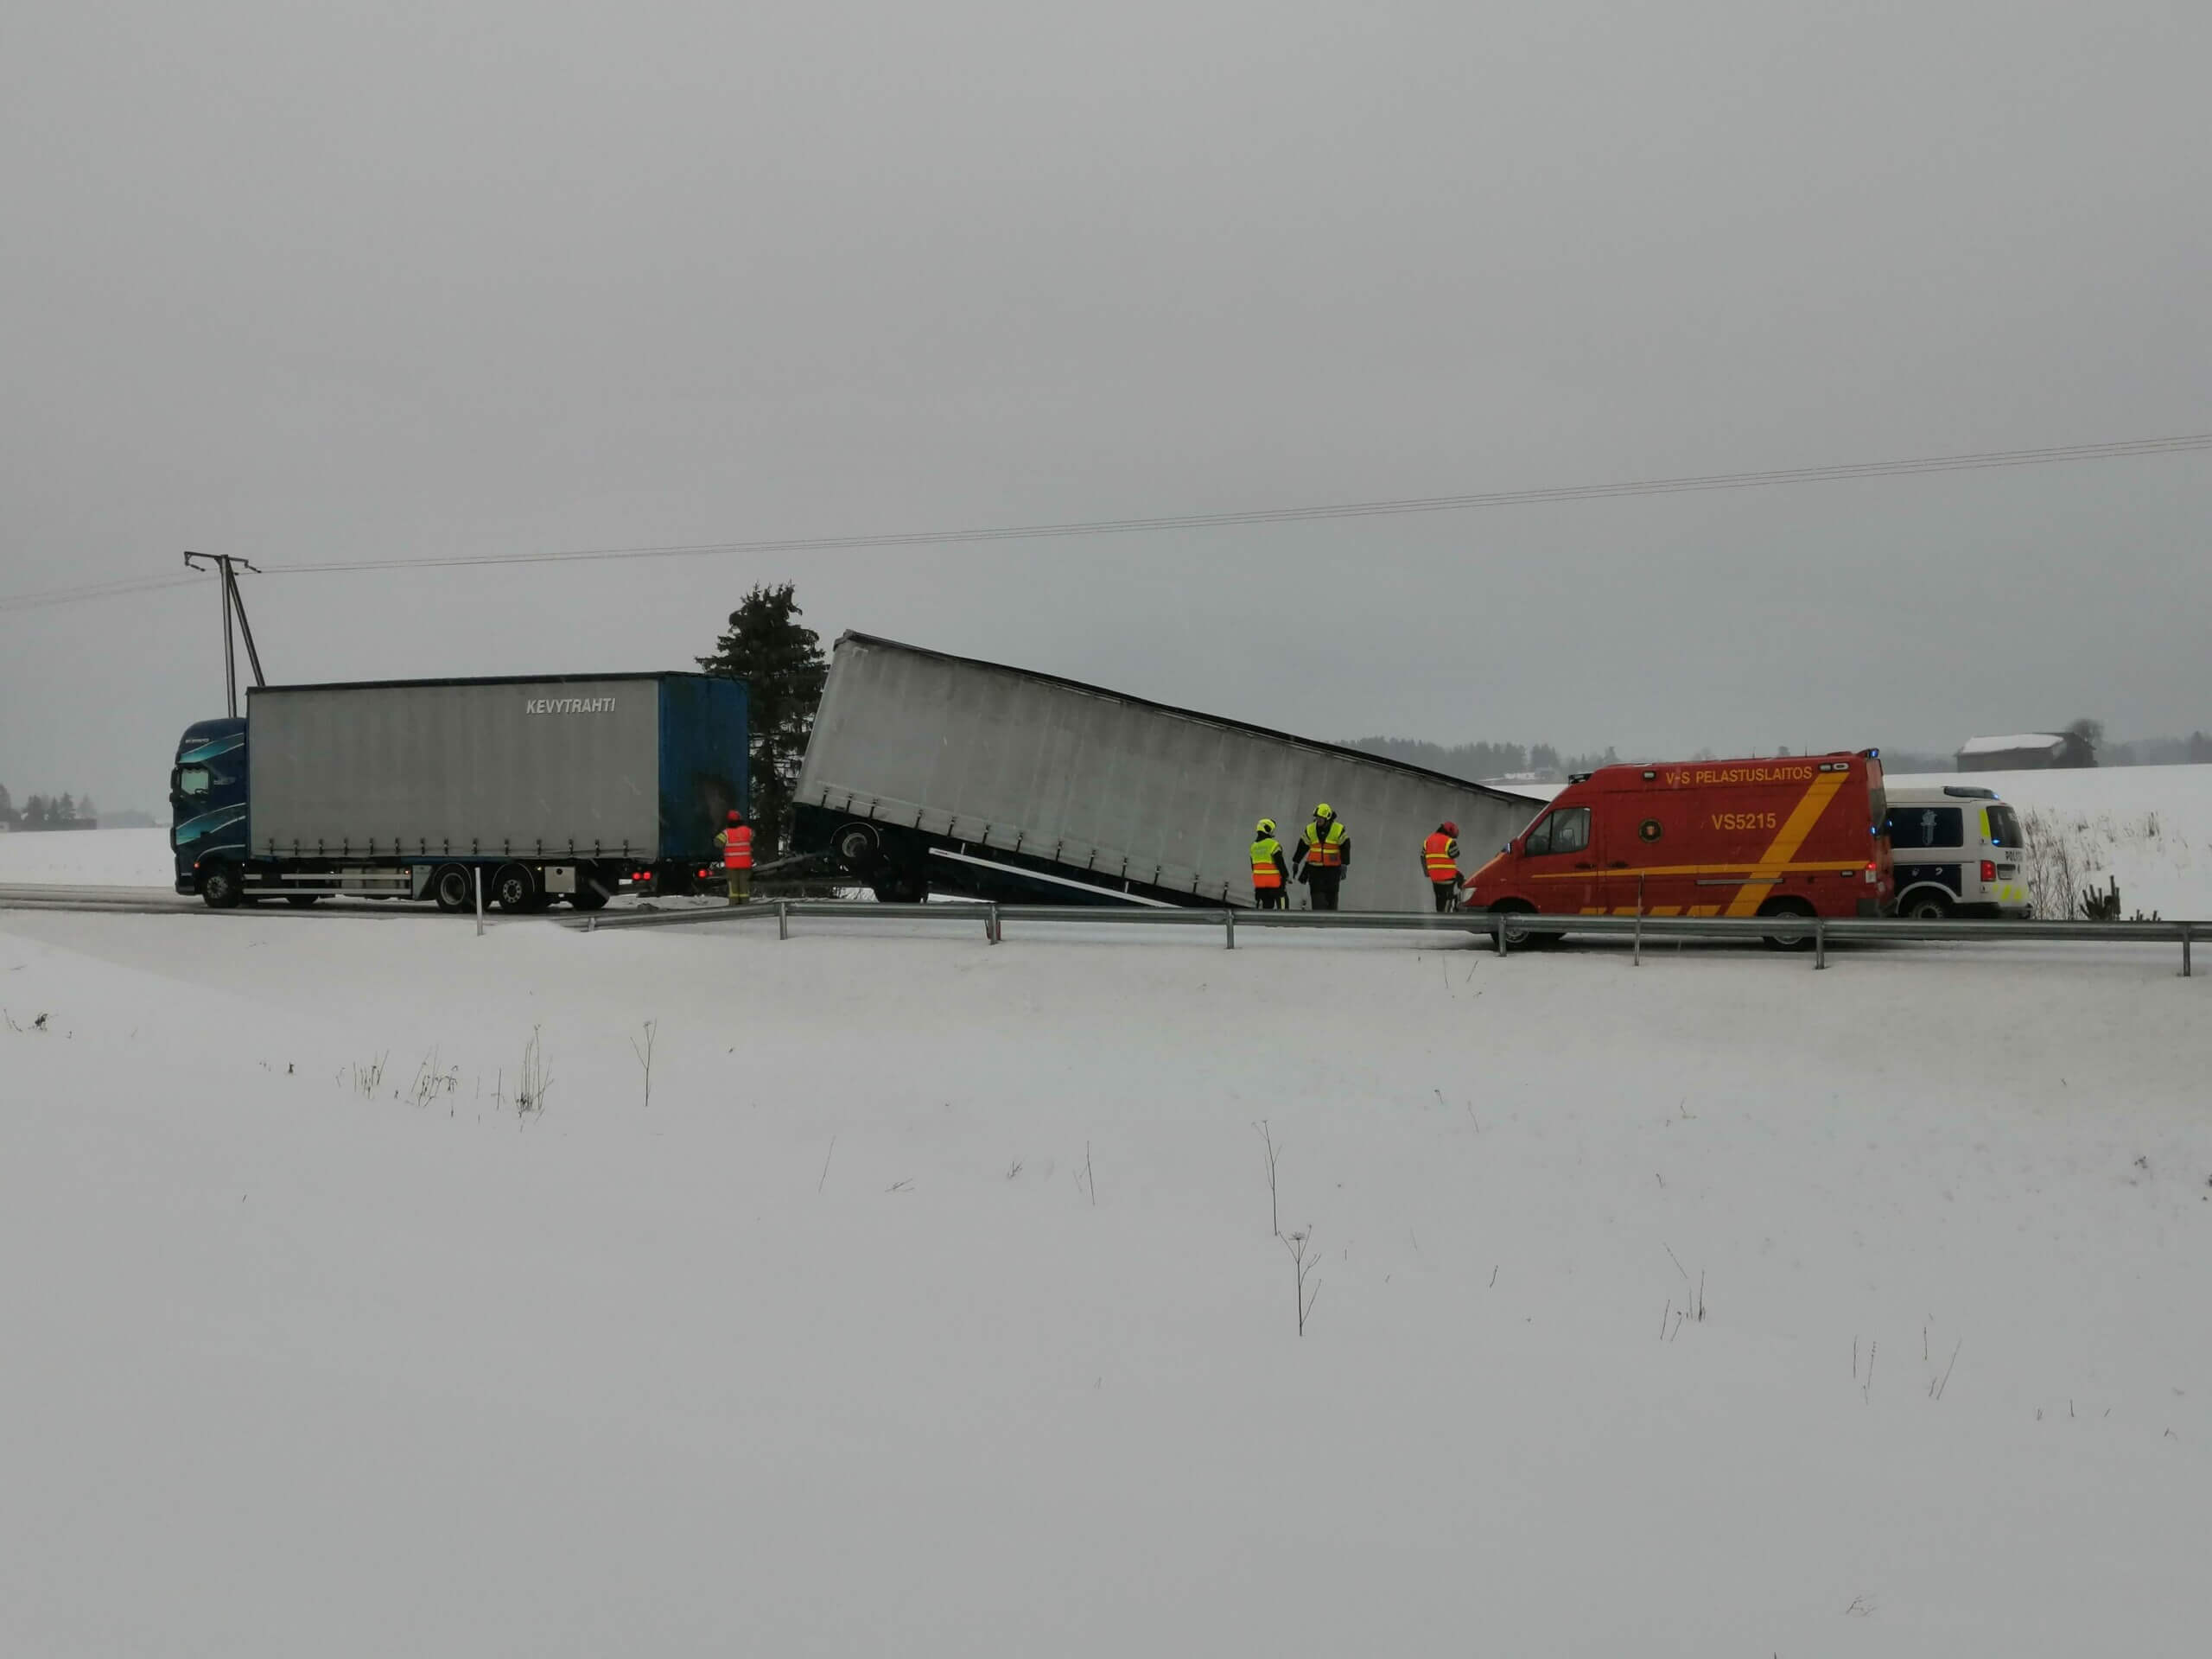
490, 679
1192, 713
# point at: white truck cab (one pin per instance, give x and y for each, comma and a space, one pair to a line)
1957, 850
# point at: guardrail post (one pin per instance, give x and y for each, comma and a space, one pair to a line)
991, 925
783, 918
1819, 943
1232, 915
2184, 949
479, 868
1497, 923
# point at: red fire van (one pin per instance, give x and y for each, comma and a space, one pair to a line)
1795, 834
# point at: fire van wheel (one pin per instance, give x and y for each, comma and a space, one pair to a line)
514, 890
1520, 938
1925, 906
454, 888
1788, 907
220, 887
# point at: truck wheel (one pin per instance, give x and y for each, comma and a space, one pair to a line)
856, 843
1788, 907
221, 887
1925, 906
454, 888
514, 890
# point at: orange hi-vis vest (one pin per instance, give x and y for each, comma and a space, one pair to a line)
1266, 877
737, 847
1324, 847
1439, 855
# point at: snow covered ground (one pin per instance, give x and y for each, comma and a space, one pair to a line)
2149, 828
89, 858
933, 1303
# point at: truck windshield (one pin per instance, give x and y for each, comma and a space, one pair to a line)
2003, 827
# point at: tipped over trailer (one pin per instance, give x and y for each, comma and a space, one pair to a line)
928, 772
562, 787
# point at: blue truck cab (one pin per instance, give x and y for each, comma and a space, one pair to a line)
207, 803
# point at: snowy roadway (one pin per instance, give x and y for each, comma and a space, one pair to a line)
932, 1304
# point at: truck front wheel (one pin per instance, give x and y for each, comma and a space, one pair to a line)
221, 887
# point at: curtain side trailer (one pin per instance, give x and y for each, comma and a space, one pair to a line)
930, 772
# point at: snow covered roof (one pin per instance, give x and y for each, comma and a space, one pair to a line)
2005, 745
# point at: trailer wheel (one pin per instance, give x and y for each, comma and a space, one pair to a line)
514, 890
856, 844
1926, 905
1788, 907
454, 888
221, 887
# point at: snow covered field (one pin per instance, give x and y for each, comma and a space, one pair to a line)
2149, 828
932, 1305
89, 858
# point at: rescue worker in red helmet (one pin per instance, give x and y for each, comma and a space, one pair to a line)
736, 843
1440, 863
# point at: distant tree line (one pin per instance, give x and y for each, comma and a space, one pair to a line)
64, 811
1476, 761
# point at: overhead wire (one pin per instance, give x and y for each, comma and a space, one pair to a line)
1908, 466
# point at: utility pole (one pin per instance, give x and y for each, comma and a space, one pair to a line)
227, 568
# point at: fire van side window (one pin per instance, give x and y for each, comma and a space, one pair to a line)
1571, 829
1540, 838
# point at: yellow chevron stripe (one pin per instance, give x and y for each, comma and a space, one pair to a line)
1788, 839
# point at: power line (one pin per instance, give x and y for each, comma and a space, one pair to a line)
2187, 444
95, 590
2182, 445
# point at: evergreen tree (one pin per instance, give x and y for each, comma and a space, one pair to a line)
782, 665
87, 811
34, 813
66, 810
7, 806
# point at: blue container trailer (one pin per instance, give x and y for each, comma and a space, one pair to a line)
563, 787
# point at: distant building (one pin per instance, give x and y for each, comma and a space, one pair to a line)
2025, 752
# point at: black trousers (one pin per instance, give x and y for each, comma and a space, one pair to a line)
1446, 892
1324, 888
1271, 898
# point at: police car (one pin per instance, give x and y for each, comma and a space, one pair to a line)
1956, 851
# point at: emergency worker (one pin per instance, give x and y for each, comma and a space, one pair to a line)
736, 843
1270, 875
1440, 863
1323, 856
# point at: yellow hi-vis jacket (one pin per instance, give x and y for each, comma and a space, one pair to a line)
1267, 864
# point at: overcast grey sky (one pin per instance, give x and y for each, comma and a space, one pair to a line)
323, 282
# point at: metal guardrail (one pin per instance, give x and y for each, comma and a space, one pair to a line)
1506, 932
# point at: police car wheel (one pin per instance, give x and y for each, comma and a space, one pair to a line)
1926, 907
